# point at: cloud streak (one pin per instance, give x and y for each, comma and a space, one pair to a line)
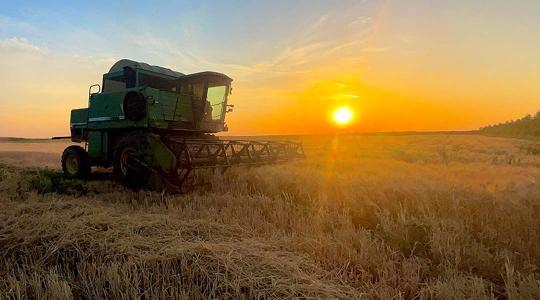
21, 44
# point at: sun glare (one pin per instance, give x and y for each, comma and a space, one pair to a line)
343, 116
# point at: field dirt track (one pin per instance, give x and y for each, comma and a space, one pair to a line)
402, 217
33, 154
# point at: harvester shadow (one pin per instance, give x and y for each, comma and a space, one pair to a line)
101, 175
195, 182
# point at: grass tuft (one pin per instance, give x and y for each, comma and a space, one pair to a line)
45, 181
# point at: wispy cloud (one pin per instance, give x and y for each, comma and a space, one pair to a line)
374, 49
21, 44
11, 25
360, 21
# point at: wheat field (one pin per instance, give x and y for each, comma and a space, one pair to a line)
375, 217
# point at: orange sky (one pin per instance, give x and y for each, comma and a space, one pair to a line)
399, 66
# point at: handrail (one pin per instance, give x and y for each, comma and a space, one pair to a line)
90, 89
88, 112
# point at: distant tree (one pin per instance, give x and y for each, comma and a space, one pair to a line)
526, 127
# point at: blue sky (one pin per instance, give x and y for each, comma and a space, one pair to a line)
411, 65
237, 32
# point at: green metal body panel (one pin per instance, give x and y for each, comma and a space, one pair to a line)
95, 143
106, 112
162, 156
165, 107
78, 124
79, 117
98, 145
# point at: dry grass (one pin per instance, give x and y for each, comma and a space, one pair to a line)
380, 217
43, 153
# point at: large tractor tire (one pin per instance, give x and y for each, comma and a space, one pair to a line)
75, 163
129, 164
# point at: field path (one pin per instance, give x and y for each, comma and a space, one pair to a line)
41, 154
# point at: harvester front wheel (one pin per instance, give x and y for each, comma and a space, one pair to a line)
75, 163
129, 161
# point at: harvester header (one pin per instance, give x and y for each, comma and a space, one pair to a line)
153, 124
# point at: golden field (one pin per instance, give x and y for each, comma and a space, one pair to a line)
402, 217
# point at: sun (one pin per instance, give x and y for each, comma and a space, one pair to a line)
343, 116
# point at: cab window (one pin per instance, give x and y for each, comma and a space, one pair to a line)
114, 84
119, 81
215, 101
157, 82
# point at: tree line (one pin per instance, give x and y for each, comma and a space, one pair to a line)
526, 127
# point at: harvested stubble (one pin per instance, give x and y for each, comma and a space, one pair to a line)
380, 217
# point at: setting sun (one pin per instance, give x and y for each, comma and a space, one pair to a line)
343, 116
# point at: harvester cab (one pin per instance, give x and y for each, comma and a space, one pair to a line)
195, 102
154, 126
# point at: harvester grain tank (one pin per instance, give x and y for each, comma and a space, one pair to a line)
154, 126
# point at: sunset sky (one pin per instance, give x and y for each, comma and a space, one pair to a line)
399, 65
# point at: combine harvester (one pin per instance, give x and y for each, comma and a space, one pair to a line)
155, 126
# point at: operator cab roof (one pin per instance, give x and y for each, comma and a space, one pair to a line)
207, 74
123, 63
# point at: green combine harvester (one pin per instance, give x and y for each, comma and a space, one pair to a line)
155, 126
